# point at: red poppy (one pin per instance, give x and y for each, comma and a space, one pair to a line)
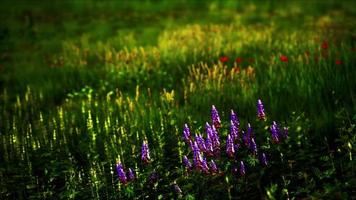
325, 45
224, 59
338, 62
238, 60
283, 58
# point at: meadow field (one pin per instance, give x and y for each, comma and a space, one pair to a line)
177, 99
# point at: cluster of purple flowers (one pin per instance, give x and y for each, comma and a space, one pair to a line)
124, 178
278, 134
210, 146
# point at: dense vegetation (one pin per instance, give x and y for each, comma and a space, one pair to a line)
85, 84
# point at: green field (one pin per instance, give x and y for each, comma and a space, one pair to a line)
84, 83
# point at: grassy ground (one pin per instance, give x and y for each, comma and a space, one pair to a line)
82, 84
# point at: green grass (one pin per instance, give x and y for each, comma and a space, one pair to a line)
82, 84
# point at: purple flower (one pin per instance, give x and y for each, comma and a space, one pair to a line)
215, 139
274, 132
234, 131
260, 110
248, 135
234, 119
121, 173
242, 168
209, 146
145, 152
204, 165
215, 117
187, 163
186, 133
253, 146
130, 175
200, 141
230, 151
213, 167
197, 160
263, 159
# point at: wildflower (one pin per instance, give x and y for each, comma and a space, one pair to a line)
130, 175
121, 173
230, 151
253, 146
325, 45
177, 189
283, 58
200, 141
204, 165
274, 132
224, 59
238, 60
338, 62
234, 119
247, 136
215, 117
242, 168
186, 133
213, 167
260, 110
233, 131
145, 152
215, 140
187, 163
209, 145
263, 159
197, 160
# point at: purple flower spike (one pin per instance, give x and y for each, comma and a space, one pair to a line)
213, 167
253, 146
234, 131
260, 110
246, 138
145, 152
186, 133
187, 163
209, 146
130, 175
249, 130
263, 159
234, 119
274, 132
242, 168
197, 160
121, 173
215, 117
205, 167
215, 138
230, 151
201, 143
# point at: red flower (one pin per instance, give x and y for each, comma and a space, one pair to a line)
325, 45
283, 58
224, 59
338, 62
238, 60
